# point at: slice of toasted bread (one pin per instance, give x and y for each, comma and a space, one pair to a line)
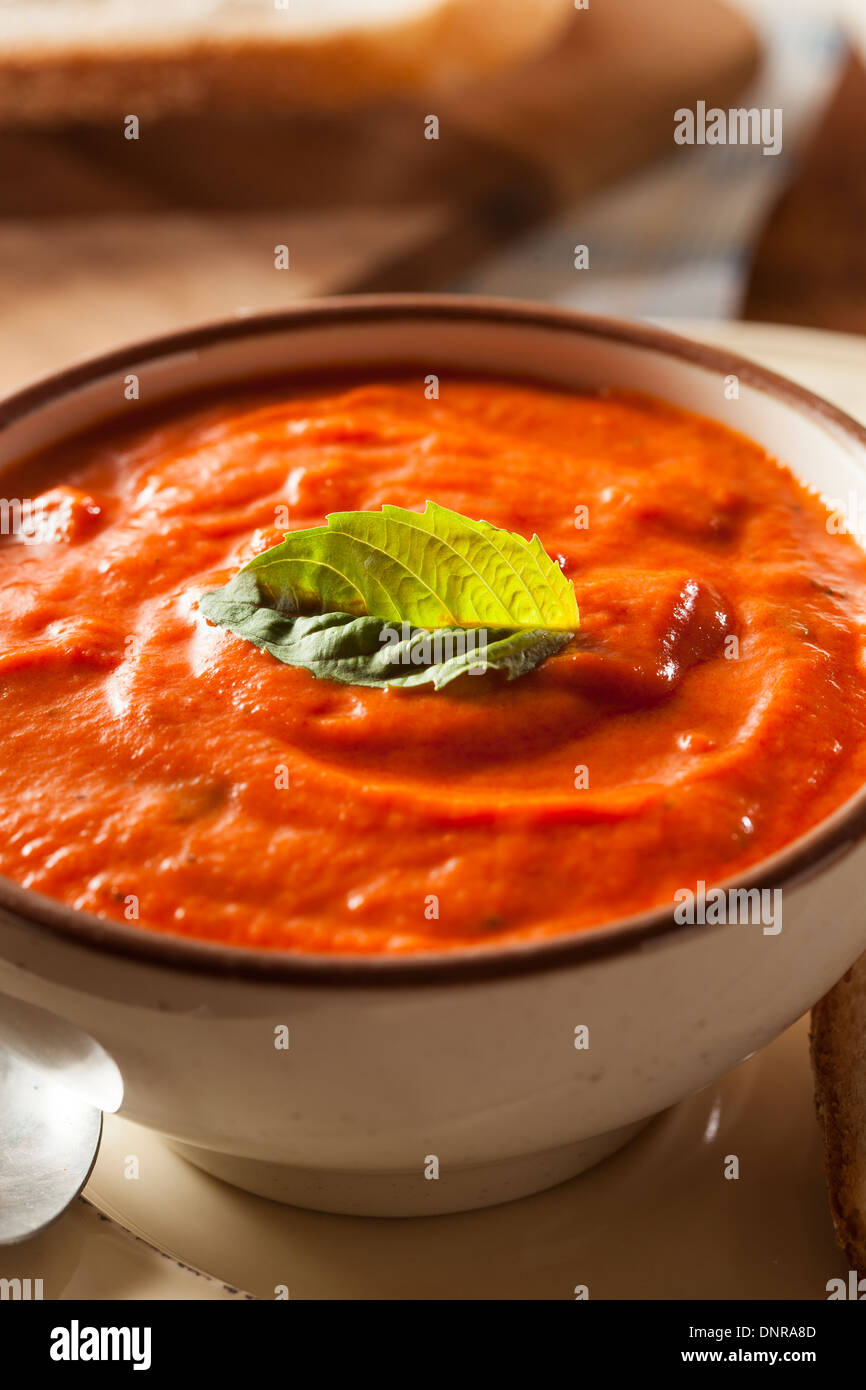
838, 1046
90, 59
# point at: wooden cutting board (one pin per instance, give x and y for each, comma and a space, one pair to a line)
104, 239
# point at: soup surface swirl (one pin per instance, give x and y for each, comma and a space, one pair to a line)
164, 772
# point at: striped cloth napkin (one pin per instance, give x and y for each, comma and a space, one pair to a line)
674, 239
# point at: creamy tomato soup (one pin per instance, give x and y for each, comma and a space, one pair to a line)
163, 771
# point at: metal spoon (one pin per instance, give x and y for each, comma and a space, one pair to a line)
49, 1139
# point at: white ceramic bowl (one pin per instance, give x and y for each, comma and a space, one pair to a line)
466, 1056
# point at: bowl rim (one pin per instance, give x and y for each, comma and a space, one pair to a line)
833, 837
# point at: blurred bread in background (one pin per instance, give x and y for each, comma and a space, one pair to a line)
838, 1041
100, 232
81, 60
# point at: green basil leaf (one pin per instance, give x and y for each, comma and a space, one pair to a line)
369, 650
433, 569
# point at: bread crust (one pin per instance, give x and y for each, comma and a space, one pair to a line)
838, 1048
148, 73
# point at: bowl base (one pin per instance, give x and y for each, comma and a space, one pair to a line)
409, 1193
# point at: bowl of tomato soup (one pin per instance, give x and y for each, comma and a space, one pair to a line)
404, 949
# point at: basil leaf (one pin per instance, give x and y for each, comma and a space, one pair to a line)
371, 651
433, 569
465, 596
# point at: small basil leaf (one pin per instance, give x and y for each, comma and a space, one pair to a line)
370, 651
433, 569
